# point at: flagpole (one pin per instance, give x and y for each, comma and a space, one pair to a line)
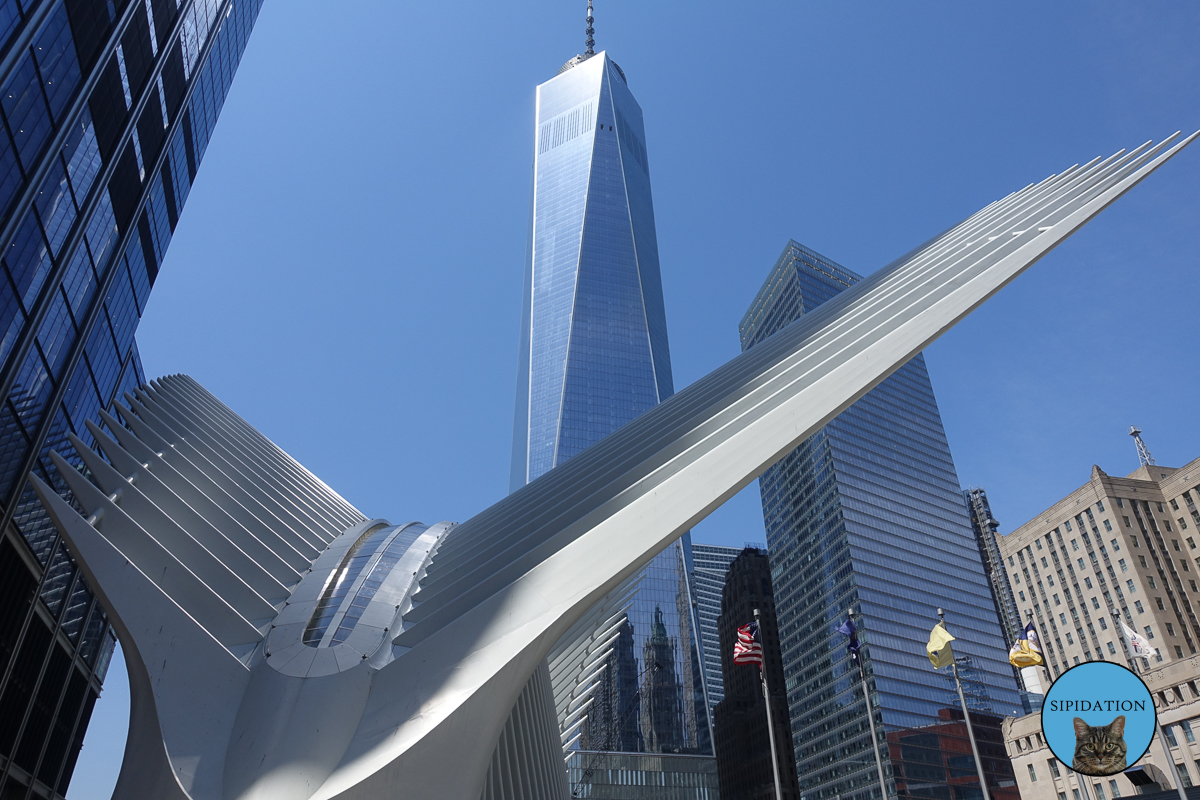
1132, 659
862, 674
762, 673
966, 716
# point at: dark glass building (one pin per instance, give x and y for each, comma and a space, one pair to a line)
740, 734
593, 357
868, 514
106, 109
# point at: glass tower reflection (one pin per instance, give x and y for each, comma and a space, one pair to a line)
593, 357
106, 110
867, 514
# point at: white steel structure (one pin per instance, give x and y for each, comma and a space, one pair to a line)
282, 646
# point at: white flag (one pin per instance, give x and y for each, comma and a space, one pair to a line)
1138, 643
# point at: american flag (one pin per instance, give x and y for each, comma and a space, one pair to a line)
748, 649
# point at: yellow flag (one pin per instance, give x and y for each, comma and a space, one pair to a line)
940, 654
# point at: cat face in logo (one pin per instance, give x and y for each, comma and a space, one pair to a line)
1100, 749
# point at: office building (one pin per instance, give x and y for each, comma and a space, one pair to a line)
594, 356
1173, 685
280, 642
107, 110
710, 563
1131, 544
740, 735
986, 530
867, 514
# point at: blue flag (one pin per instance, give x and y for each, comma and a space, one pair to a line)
848, 629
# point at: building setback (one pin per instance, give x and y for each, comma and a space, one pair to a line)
868, 514
107, 110
710, 563
1129, 543
593, 357
740, 734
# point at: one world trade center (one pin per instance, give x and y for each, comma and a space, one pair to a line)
593, 357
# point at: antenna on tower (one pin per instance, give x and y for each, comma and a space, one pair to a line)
591, 43
1144, 456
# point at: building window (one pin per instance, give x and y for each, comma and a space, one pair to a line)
1178, 651
1138, 605
1068, 526
1062, 618
1044, 564
1107, 525
1099, 505
1022, 594
1130, 584
1032, 773
1115, 791
1038, 542
1142, 561
1081, 566
1062, 796
1191, 543
1112, 651
1150, 581
1192, 584
1174, 542
1076, 658
1127, 525
1069, 640
1182, 524
1184, 777
1174, 506
1053, 764
1158, 602
1099, 791
1160, 508
1134, 539
1057, 602
1124, 567
1120, 503
1167, 522
1010, 562
1149, 633
1170, 629
1075, 792
1095, 603
1114, 541
1169, 732
1087, 582
1074, 545
1186, 727
1186, 568
1103, 624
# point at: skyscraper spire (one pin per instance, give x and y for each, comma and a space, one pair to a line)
591, 43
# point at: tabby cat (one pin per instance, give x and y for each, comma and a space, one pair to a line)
1100, 749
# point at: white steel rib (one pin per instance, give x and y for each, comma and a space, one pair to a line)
283, 646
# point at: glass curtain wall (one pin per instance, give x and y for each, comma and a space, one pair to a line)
867, 514
106, 111
593, 357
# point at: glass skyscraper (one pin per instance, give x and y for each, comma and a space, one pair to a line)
106, 109
867, 514
710, 564
593, 357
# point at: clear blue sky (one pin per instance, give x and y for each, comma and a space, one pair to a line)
347, 272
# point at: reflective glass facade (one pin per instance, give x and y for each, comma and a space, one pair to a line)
867, 514
710, 563
593, 357
106, 109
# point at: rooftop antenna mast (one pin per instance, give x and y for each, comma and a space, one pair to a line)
591, 43
1144, 456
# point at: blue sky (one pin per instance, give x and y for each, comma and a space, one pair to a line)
347, 272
